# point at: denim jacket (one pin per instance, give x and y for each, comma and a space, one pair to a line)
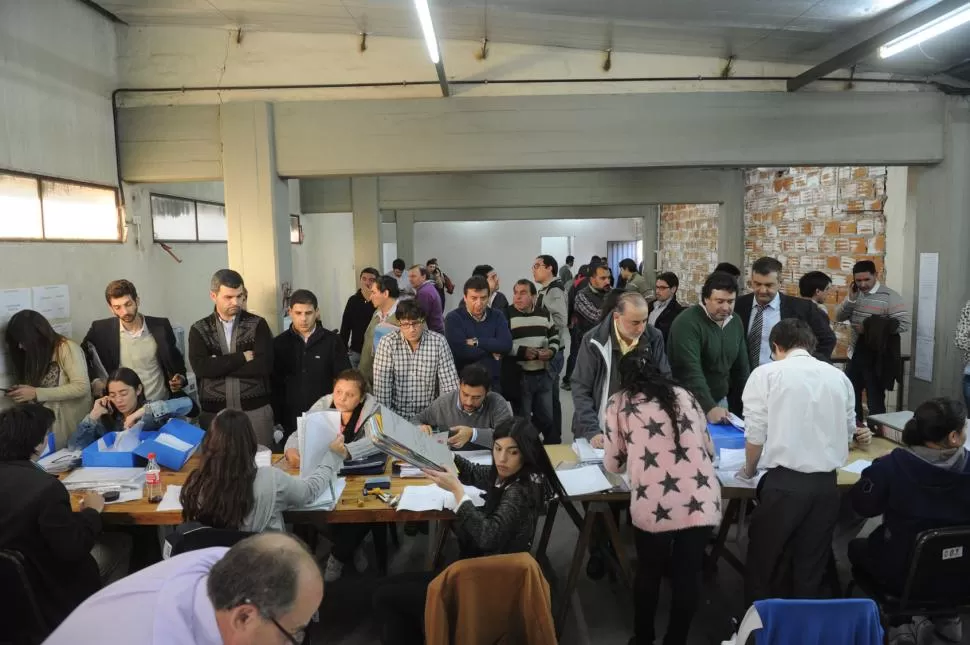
156, 414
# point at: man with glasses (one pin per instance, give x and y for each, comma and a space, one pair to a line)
262, 591
413, 366
665, 308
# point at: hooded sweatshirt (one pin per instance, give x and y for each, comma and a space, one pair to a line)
915, 489
165, 604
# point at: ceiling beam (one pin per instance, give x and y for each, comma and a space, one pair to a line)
104, 12
867, 43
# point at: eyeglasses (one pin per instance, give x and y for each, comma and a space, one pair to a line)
411, 325
293, 639
538, 265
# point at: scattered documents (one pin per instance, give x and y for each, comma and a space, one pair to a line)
315, 432
731, 458
433, 498
587, 453
170, 501
61, 461
729, 478
857, 466
328, 496
583, 480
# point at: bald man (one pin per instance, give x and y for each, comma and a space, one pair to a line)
246, 595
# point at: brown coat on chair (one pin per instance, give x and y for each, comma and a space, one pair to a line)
491, 600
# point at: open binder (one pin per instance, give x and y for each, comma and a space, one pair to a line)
396, 437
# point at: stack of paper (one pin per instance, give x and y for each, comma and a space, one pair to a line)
583, 480
315, 432
171, 500
731, 459
264, 457
61, 461
587, 453
410, 472
433, 498
396, 437
328, 497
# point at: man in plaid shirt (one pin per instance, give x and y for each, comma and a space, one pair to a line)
412, 366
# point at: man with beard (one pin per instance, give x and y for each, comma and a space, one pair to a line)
130, 339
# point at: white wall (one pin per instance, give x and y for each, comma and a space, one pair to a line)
508, 246
324, 263
57, 71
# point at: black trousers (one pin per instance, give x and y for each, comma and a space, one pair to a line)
863, 375
346, 539
682, 554
399, 605
790, 535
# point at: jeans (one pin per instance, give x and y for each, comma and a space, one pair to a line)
575, 338
555, 367
682, 554
864, 377
536, 393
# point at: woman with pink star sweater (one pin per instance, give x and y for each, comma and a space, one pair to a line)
657, 432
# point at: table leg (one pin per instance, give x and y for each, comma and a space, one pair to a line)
439, 535
717, 549
579, 554
547, 529
613, 532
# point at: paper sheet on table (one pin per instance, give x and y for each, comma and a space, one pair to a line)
411, 472
730, 458
173, 442
586, 452
60, 461
583, 480
84, 477
329, 496
857, 466
433, 498
170, 501
729, 478
315, 432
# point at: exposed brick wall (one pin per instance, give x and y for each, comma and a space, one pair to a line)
816, 219
688, 245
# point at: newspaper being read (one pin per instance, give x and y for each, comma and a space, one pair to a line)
405, 441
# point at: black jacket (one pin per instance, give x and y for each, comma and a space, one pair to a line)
304, 371
356, 318
56, 542
881, 336
666, 319
804, 310
105, 336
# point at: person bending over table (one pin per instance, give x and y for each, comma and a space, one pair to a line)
517, 484
351, 398
656, 432
471, 412
64, 551
124, 407
922, 485
228, 491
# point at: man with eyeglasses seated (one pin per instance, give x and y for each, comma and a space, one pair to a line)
265, 589
413, 366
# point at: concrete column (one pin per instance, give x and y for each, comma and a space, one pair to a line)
404, 221
940, 195
368, 246
257, 207
650, 227
730, 224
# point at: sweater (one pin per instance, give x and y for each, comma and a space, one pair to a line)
914, 492
818, 622
533, 329
70, 399
709, 360
276, 491
671, 487
222, 372
638, 283
430, 302
446, 412
587, 308
357, 313
493, 337
880, 301
482, 601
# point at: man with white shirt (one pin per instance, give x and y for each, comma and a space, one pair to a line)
231, 353
265, 589
799, 415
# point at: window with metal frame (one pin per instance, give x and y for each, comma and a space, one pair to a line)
34, 208
296, 230
180, 219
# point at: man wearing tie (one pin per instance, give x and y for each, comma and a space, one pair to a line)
765, 307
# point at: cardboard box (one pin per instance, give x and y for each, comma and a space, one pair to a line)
93, 456
182, 440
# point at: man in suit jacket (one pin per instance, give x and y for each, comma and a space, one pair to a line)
665, 308
144, 344
765, 307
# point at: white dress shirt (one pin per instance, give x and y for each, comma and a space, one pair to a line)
658, 308
802, 410
227, 326
769, 318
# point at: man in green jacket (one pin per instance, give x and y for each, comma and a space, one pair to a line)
707, 348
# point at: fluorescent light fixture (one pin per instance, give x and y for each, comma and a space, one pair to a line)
424, 15
931, 29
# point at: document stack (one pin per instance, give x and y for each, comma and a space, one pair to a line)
396, 437
588, 454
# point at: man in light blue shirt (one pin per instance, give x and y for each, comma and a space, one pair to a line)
263, 590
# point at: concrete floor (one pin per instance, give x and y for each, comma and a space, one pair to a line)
602, 615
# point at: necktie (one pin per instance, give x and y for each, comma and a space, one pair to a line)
754, 337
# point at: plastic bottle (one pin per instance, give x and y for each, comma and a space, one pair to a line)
153, 480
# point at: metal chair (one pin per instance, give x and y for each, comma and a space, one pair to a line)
21, 618
936, 583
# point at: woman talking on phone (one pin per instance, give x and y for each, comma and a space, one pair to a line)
124, 407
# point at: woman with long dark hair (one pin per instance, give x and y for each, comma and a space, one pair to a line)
656, 432
50, 369
517, 484
124, 407
228, 491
